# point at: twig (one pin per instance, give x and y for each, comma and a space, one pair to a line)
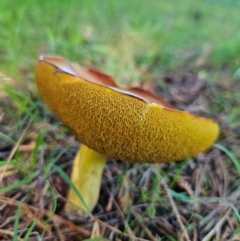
49, 214
217, 226
9, 171
10, 233
58, 231
175, 210
185, 185
145, 228
14, 150
224, 173
129, 230
120, 232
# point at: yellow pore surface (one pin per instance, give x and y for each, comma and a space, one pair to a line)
122, 126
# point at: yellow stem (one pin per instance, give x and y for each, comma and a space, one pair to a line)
86, 176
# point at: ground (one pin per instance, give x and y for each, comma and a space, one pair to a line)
186, 53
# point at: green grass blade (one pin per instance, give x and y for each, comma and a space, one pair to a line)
6, 138
71, 184
231, 156
30, 229
18, 215
19, 183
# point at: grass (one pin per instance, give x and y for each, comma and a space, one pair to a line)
136, 42
172, 33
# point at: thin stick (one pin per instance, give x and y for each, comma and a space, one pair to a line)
217, 226
175, 210
6, 232
14, 150
53, 216
58, 231
129, 230
144, 227
120, 232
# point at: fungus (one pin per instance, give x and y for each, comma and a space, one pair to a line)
117, 123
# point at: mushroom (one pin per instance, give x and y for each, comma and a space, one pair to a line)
111, 122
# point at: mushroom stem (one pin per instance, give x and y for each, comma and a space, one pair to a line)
86, 176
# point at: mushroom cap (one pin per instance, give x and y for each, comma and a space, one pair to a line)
120, 125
